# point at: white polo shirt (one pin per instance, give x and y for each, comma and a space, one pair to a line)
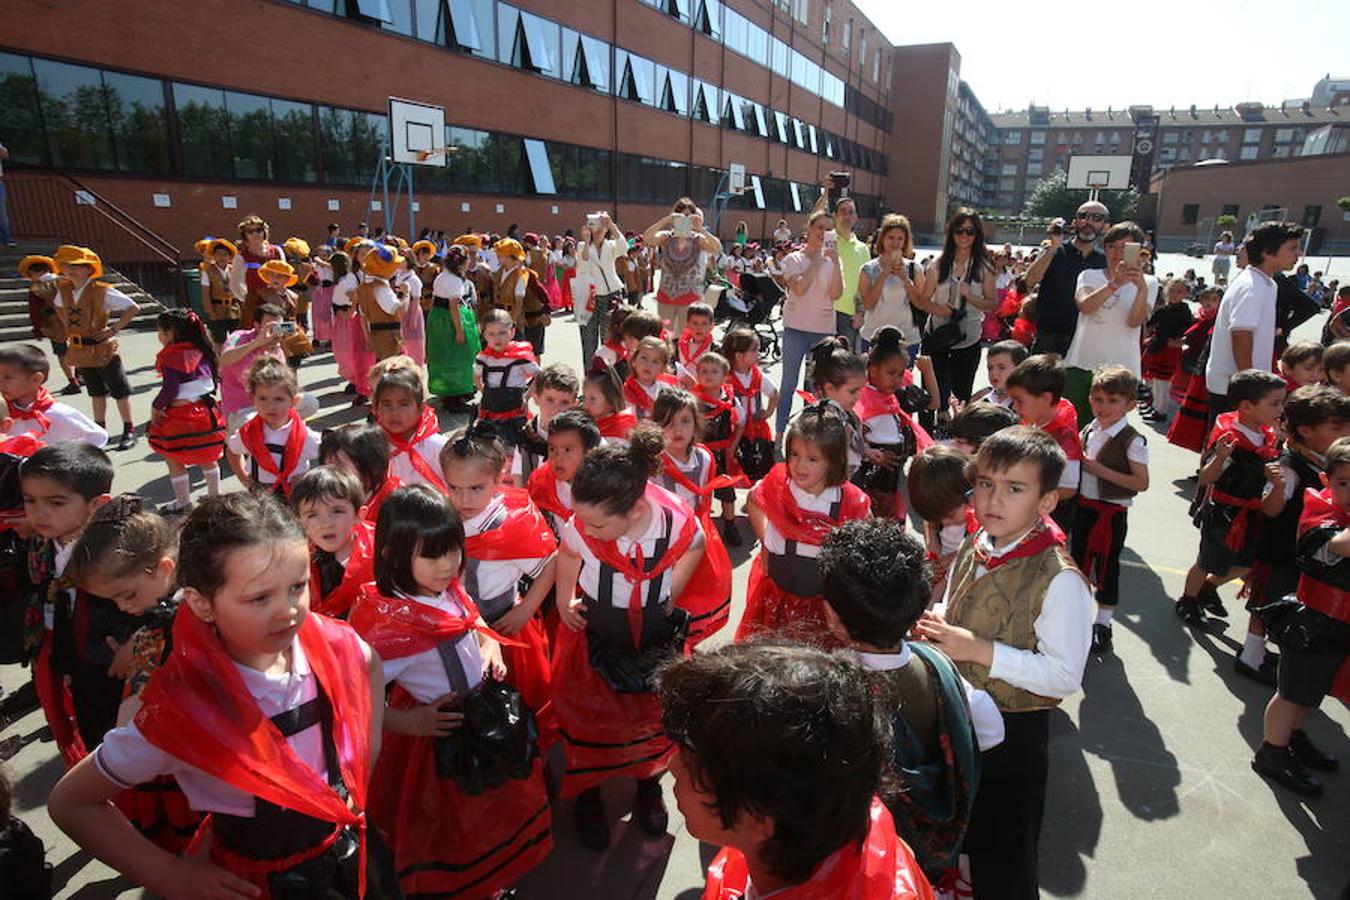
1248, 305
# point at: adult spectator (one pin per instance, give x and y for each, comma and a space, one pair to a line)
334, 239
959, 287
781, 232
852, 254
1056, 271
600, 248
682, 256
891, 286
6, 237
814, 282
1224, 249
1113, 304
245, 282
742, 236
1244, 330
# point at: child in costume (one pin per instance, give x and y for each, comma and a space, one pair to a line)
350, 352
414, 434
517, 290
502, 372
246, 280
840, 375
876, 585
42, 286
452, 331
328, 501
757, 396
554, 390
362, 448
454, 831
722, 427
1115, 469
689, 471
939, 494
624, 562
648, 376
792, 510
694, 341
1189, 393
999, 361
1336, 365
31, 409
1162, 345
1017, 621
187, 427
1036, 388
612, 352
1301, 364
571, 436
892, 436
380, 306
218, 302
266, 716
737, 715
298, 255
321, 296
603, 399
975, 422
275, 446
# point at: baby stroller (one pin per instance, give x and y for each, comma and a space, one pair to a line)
754, 304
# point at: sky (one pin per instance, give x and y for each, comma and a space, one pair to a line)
1180, 51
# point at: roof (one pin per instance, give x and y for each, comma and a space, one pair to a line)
1242, 115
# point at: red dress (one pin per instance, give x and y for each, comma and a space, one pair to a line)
190, 434
709, 605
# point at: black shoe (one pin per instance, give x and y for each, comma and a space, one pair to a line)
20, 703
731, 535
1210, 600
1309, 755
1189, 611
349, 389
650, 809
1101, 639
1264, 674
358, 400
70, 390
592, 827
127, 440
1281, 766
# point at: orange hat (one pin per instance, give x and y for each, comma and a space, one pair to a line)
296, 247
509, 247
65, 252
203, 247
469, 240
218, 243
381, 262
352, 244
424, 245
81, 256
278, 268
29, 261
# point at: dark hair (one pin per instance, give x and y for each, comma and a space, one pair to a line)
781, 730
496, 317
1252, 385
1015, 349
366, 445
712, 356
671, 400
976, 421
268, 371
641, 323
1117, 381
614, 477
1039, 374
1267, 239
578, 421
26, 358
1122, 231
1313, 404
1338, 454
1300, 352
268, 309
81, 467
122, 537
399, 379
699, 309
939, 481
415, 520
887, 344
1019, 444
327, 483
738, 339
617, 316
556, 377
478, 441
1336, 357
824, 425
184, 326
875, 576
219, 525
341, 263
978, 253
607, 380
831, 362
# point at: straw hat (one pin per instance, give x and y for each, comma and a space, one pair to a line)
469, 240
279, 268
296, 247
352, 244
29, 261
203, 247
381, 262
218, 243
82, 256
424, 245
509, 247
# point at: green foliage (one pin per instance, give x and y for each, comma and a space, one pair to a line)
1344, 203
1052, 197
1226, 222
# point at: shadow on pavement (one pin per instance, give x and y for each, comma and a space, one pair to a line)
1146, 610
1073, 812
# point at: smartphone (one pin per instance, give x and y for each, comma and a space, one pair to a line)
284, 328
831, 238
1132, 249
680, 225
593, 222
839, 187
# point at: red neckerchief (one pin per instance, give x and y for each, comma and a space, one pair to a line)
617, 425
371, 511
633, 568
1266, 451
523, 534
543, 487
400, 626
1045, 534
618, 349
755, 427
671, 469
1320, 512
514, 350
180, 356
357, 571
688, 353
251, 434
873, 402
1290, 385
198, 709
774, 498
426, 427
1063, 427
637, 395
716, 406
37, 410
879, 868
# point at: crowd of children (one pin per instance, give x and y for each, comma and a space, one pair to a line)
526, 580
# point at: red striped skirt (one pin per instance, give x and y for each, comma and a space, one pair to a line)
190, 435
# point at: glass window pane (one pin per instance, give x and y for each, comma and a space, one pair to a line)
794, 192
400, 17
20, 120
597, 62
541, 173
368, 134
76, 114
679, 92
758, 189
335, 144
540, 51
296, 155
811, 132
431, 20
203, 131
474, 166
734, 34
508, 25
514, 179
780, 122
251, 135
757, 43
708, 19
375, 9
464, 25
139, 125
780, 54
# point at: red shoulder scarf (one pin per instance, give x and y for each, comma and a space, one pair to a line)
1063, 427
251, 434
881, 868
426, 427
514, 350
774, 498
399, 626
359, 569
198, 709
755, 427
671, 469
617, 425
37, 412
543, 489
873, 402
181, 356
524, 534
1227, 423
1320, 512
637, 395
1046, 534
371, 511
716, 406
688, 351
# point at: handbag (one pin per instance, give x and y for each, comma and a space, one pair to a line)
497, 741
947, 335
627, 672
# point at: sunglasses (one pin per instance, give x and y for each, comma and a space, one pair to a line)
1091, 217
254, 230
965, 230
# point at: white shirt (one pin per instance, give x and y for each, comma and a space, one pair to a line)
429, 448
309, 452
114, 301
599, 264
1097, 437
1063, 634
423, 674
776, 543
1104, 336
984, 714
699, 468
498, 576
621, 589
1248, 305
882, 429
518, 376
450, 286
386, 298
67, 424
342, 290
893, 306
753, 406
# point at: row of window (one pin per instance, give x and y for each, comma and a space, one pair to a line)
54, 113
1190, 213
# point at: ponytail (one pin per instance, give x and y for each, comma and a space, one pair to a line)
186, 327
887, 344
122, 537
832, 362
615, 478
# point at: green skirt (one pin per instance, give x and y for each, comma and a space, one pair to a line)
450, 363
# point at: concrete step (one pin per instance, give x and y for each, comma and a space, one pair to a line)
14, 324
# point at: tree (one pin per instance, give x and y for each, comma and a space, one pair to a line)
1053, 197
1344, 204
1226, 222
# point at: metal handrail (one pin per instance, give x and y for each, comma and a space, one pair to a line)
165, 250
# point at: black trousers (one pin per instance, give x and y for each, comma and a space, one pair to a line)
1108, 592
1003, 840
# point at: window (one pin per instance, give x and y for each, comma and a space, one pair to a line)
203, 131
799, 134
675, 97
1037, 138
862, 47
75, 114
733, 113
677, 8
635, 76
1190, 213
795, 194
1036, 154
1008, 169
811, 132
536, 45
1251, 135
705, 103
1230, 209
1115, 139
708, 19
848, 36
251, 143
1033, 170
1248, 151
1284, 135
1099, 139
430, 21
1012, 138
473, 167
1278, 152
20, 117
1312, 215
825, 26
297, 157
1061, 139
1007, 184
541, 173
139, 124
590, 65
473, 27
801, 10
375, 10
1221, 136
780, 121
1167, 154
757, 189
754, 118
1171, 137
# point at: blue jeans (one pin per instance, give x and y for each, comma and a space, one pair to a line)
5, 236
843, 326
795, 346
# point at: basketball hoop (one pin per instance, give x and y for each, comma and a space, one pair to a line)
424, 155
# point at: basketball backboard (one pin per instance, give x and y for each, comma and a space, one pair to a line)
1101, 173
416, 133
736, 180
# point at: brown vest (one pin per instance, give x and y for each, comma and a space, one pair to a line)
85, 317
485, 287
43, 292
532, 309
219, 302
1002, 605
1115, 456
382, 329
428, 275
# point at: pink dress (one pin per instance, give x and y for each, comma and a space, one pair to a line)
321, 305
414, 331
353, 357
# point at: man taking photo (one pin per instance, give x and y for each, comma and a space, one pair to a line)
1057, 269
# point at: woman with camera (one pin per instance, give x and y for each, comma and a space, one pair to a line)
891, 287
682, 247
814, 281
602, 244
